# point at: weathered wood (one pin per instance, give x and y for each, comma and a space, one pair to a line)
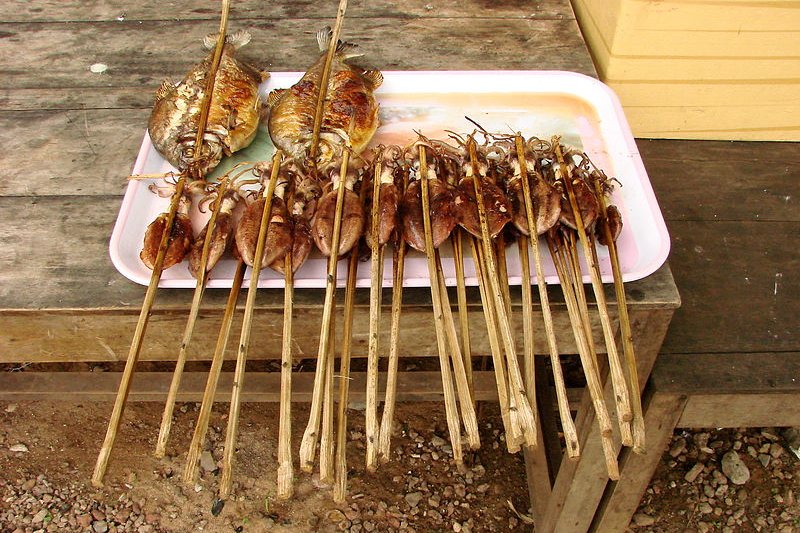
740, 293
260, 386
731, 373
622, 498
580, 483
120, 10
278, 45
741, 410
60, 336
723, 181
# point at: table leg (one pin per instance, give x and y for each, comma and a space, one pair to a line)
621, 498
580, 483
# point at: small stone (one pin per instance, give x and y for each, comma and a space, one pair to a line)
19, 448
641, 519
775, 450
10, 408
704, 508
98, 514
456, 527
764, 459
39, 517
678, 448
207, 462
85, 520
98, 68
100, 526
693, 472
438, 441
734, 468
413, 498
28, 485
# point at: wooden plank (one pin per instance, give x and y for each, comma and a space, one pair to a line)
622, 497
741, 410
70, 153
438, 44
114, 10
740, 293
580, 482
723, 181
728, 374
260, 387
731, 71
60, 336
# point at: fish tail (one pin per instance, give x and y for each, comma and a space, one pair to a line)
237, 39
343, 48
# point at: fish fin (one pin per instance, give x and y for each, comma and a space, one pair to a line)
345, 49
164, 90
237, 39
274, 96
324, 38
375, 77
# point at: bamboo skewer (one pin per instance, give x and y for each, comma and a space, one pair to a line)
285, 487
567, 424
327, 465
136, 343
226, 479
372, 428
588, 362
468, 416
203, 417
323, 84
625, 325
451, 412
513, 436
461, 298
199, 290
518, 397
144, 315
340, 484
527, 319
309, 443
387, 418
621, 393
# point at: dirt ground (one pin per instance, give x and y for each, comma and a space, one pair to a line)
46, 488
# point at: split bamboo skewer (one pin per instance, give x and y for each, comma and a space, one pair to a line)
285, 487
372, 428
451, 411
309, 443
340, 460
203, 417
144, 315
327, 466
465, 400
589, 363
513, 437
226, 479
323, 84
625, 325
519, 399
621, 393
567, 424
387, 418
527, 319
461, 298
194, 311
136, 343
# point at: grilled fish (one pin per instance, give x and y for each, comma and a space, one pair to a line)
349, 98
233, 113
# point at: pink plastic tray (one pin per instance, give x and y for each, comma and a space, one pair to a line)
585, 112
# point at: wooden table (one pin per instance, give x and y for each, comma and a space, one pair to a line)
71, 135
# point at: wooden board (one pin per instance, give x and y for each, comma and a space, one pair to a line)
120, 10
